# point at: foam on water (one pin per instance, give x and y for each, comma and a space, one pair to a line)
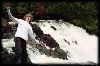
85, 50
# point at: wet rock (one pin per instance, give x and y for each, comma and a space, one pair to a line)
57, 53
66, 41
43, 50
61, 53
53, 28
75, 42
8, 58
49, 41
45, 38
37, 30
48, 21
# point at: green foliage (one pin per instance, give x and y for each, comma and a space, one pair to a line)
84, 12
21, 7
92, 25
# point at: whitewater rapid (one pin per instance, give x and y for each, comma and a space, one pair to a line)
85, 50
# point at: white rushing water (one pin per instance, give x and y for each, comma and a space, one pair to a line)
85, 50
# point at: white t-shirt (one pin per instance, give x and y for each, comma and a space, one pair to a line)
24, 29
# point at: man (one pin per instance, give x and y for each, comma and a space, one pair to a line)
24, 30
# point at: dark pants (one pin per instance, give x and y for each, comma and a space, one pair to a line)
20, 50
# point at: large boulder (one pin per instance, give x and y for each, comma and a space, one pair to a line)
37, 30
49, 41
56, 53
8, 58
45, 38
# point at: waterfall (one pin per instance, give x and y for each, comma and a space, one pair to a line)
81, 46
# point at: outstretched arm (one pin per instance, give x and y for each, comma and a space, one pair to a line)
10, 15
32, 36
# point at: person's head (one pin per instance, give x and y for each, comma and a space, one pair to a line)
28, 17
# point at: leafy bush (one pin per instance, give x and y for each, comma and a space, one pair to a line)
84, 12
